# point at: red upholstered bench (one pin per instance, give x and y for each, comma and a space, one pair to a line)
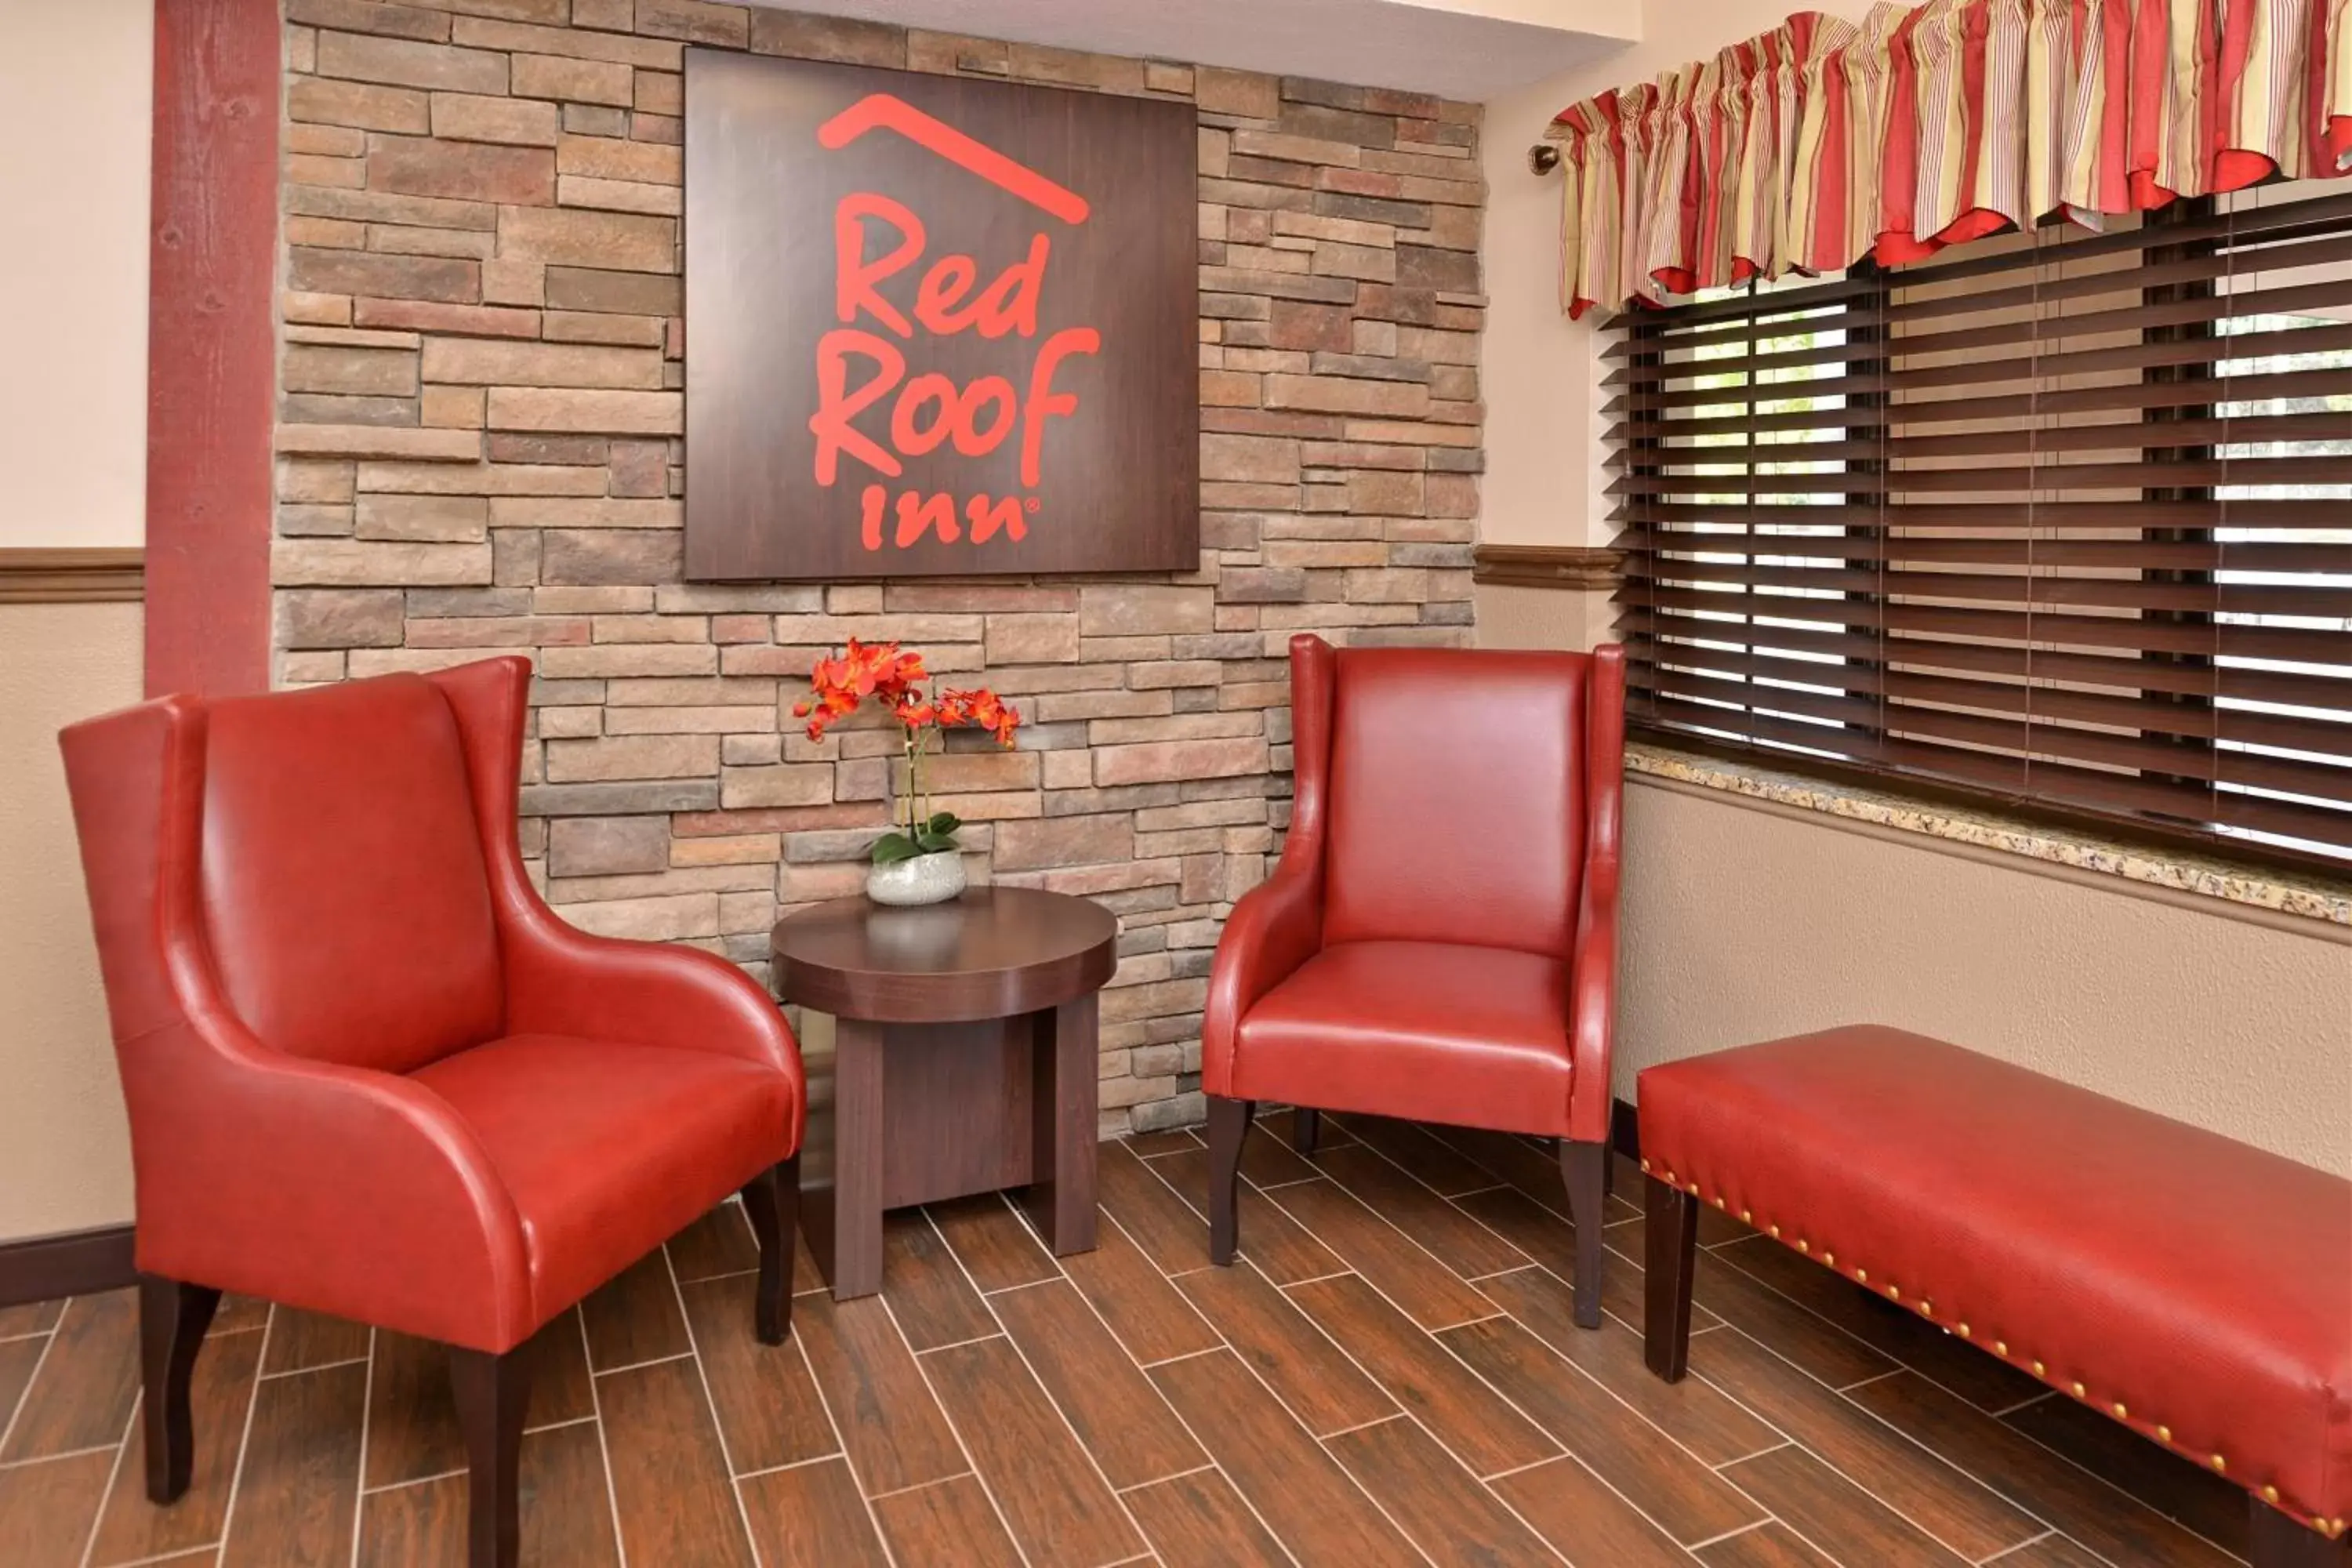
2194, 1288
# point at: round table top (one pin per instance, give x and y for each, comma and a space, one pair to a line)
990, 953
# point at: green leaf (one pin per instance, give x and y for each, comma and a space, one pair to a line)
931, 842
892, 848
944, 823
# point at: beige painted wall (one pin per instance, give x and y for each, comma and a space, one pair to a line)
74, 135
65, 1152
75, 90
1741, 924
1745, 924
1540, 617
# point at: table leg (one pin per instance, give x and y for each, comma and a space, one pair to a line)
841, 1203
1060, 1198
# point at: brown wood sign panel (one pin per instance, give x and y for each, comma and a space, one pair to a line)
935, 325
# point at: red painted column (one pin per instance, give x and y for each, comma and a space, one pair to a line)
211, 354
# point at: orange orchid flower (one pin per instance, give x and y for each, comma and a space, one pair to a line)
839, 683
980, 709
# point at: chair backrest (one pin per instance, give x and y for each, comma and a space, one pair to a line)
344, 894
1455, 797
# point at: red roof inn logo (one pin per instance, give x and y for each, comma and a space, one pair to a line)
930, 408
935, 325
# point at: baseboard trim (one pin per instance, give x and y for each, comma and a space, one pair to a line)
72, 1263
1625, 1130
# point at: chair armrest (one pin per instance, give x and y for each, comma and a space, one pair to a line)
1276, 927
1592, 965
1592, 1004
561, 980
340, 1189
1278, 924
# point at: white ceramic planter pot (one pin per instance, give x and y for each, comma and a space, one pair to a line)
918, 880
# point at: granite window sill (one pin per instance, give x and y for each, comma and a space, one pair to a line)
2278, 890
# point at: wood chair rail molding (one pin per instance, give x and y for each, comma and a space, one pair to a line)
72, 576
1592, 569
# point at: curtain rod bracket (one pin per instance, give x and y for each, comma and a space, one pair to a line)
1543, 157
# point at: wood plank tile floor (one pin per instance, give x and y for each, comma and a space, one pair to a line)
1390, 1376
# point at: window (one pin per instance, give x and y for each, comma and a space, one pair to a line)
2059, 518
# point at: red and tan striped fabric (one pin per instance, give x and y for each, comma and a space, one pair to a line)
1825, 141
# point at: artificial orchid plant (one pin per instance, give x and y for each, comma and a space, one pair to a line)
897, 680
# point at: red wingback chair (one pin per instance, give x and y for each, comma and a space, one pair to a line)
370, 1074
1440, 939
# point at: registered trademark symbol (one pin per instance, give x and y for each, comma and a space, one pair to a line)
1029, 503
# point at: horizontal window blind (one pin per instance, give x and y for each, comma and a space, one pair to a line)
2062, 518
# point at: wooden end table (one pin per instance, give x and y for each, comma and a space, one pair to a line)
963, 1061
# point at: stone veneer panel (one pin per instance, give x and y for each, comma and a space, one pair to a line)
479, 451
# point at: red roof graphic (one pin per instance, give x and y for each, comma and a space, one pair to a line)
881, 111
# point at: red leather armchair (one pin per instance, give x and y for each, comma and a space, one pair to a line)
369, 1072
1440, 939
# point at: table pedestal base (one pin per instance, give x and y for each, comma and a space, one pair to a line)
915, 1113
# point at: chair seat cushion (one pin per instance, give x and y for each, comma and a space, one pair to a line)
609, 1149
2196, 1288
1434, 1031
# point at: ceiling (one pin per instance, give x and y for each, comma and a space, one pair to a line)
1470, 49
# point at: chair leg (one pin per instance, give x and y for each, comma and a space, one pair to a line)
1671, 1256
172, 1318
1229, 1123
2277, 1542
1584, 1167
773, 1200
1306, 1130
493, 1392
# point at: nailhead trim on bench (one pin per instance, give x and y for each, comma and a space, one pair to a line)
2332, 1529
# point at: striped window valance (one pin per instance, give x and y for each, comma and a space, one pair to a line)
1824, 141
